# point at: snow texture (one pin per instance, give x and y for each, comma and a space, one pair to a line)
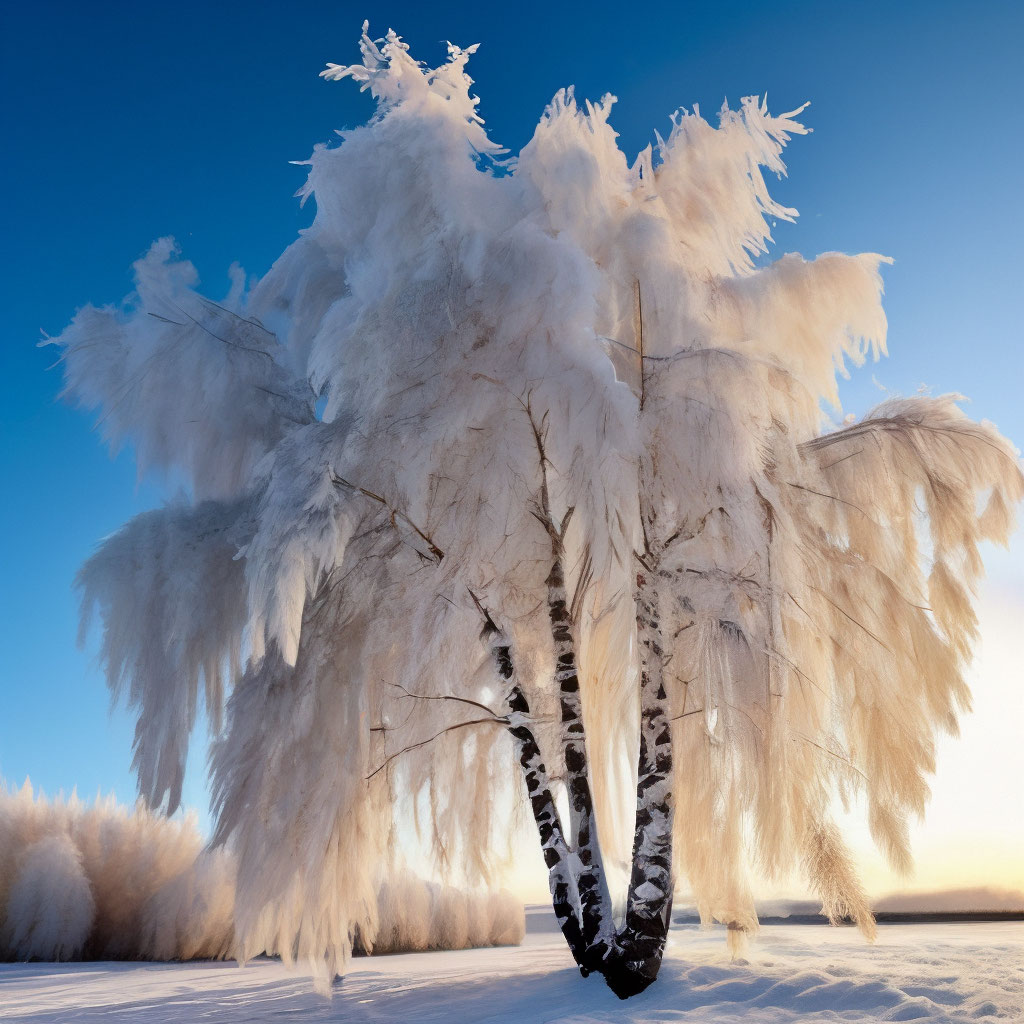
101, 882
934, 974
359, 464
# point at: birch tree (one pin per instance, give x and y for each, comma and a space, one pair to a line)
514, 476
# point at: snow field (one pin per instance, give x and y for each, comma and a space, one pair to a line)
936, 974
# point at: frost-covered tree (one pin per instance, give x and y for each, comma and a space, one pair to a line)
511, 478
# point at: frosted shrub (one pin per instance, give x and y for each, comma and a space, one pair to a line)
81, 881
101, 882
50, 908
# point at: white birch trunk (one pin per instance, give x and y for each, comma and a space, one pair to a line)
562, 884
595, 900
641, 940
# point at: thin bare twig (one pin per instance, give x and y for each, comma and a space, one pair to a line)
834, 497
686, 714
430, 739
436, 553
842, 611
640, 342
831, 753
449, 696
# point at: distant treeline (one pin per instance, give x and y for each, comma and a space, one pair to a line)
882, 917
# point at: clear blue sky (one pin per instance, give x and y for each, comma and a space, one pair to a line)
125, 122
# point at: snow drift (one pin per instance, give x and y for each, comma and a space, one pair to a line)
102, 882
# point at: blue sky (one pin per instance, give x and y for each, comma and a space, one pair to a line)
126, 122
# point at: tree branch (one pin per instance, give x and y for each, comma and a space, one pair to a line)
452, 697
423, 743
435, 552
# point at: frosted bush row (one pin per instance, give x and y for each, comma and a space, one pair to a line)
108, 882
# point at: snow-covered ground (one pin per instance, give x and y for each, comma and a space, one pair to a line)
930, 972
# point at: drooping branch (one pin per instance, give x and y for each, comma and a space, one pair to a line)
904, 427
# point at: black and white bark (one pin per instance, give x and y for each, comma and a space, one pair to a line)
591, 882
641, 940
579, 888
644, 932
595, 899
557, 857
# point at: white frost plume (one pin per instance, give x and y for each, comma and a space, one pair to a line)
556, 349
171, 595
197, 386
